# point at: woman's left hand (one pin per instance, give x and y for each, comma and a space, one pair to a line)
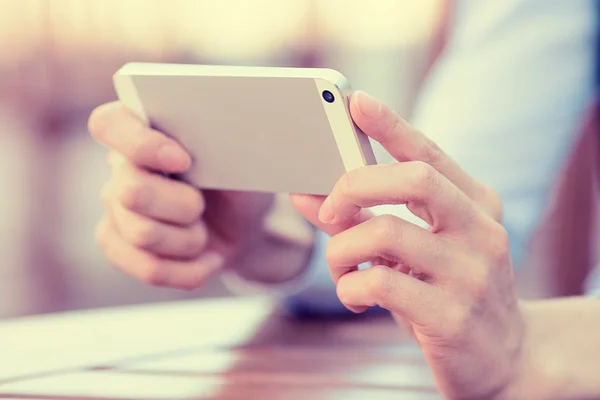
453, 282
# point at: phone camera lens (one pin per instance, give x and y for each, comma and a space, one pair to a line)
328, 96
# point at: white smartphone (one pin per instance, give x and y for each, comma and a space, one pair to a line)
262, 129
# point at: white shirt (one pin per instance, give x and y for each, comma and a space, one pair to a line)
506, 101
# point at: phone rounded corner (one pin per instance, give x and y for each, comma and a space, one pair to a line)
335, 79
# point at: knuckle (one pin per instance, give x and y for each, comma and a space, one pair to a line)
396, 128
498, 244
491, 202
136, 196
480, 282
386, 228
193, 205
426, 178
194, 245
378, 285
145, 234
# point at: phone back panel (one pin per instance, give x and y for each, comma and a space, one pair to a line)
256, 129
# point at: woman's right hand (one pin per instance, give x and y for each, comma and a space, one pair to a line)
452, 283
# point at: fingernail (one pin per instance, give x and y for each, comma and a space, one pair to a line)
357, 309
326, 212
368, 105
173, 159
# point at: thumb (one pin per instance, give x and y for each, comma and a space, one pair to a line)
309, 205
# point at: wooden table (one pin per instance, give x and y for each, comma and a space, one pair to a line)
218, 349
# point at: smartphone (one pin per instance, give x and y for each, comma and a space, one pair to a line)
262, 129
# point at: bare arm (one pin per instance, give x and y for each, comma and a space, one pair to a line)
562, 348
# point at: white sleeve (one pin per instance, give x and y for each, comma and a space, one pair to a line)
508, 97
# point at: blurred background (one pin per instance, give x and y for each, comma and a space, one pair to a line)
57, 58
56, 64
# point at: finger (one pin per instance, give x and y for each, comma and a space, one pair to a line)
154, 270
309, 205
406, 143
162, 239
426, 192
421, 303
115, 126
156, 196
392, 239
116, 160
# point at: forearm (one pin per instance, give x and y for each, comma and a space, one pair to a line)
561, 350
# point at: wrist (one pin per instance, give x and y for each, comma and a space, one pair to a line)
279, 251
560, 355
527, 380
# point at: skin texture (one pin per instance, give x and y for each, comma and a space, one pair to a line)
451, 285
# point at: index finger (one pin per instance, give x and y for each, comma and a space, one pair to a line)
115, 126
405, 143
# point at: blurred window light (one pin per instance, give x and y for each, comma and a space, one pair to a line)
378, 24
145, 24
120, 24
217, 29
20, 28
240, 29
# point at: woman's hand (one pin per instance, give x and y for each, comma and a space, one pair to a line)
161, 231
452, 282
